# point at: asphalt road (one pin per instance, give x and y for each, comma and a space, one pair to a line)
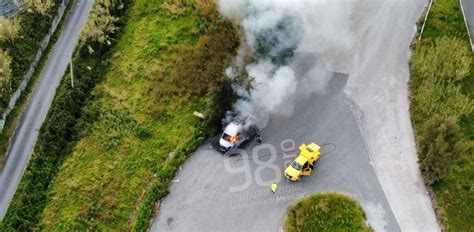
362, 120
203, 197
468, 9
41, 99
8, 8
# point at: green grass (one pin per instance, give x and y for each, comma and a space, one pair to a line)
454, 194
139, 114
326, 212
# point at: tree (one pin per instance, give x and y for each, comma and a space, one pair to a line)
439, 147
40, 6
9, 29
448, 59
101, 23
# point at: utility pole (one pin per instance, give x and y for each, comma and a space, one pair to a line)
72, 76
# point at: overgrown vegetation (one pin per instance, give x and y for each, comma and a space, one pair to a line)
440, 145
442, 111
21, 37
136, 128
326, 212
40, 6
12, 33
9, 29
66, 119
102, 23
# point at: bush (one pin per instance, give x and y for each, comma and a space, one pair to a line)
439, 147
143, 132
201, 67
447, 59
102, 21
9, 29
326, 212
441, 98
40, 6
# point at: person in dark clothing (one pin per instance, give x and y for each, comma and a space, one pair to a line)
259, 139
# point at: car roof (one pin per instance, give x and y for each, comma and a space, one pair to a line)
233, 128
301, 159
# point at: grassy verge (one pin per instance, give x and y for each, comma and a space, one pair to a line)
107, 153
326, 212
12, 119
453, 183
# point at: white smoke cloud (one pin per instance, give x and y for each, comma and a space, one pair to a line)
272, 31
271, 89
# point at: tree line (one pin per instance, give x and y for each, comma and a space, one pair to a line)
439, 103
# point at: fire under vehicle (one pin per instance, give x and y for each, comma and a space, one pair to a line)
235, 133
303, 164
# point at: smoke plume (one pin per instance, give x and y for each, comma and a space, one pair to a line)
271, 33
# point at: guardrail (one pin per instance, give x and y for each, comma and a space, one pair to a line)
426, 19
44, 44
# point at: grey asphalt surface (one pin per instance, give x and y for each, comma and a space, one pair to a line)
201, 199
365, 117
41, 99
468, 9
8, 8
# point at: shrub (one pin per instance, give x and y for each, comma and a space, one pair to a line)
441, 98
40, 6
9, 29
101, 22
326, 212
143, 132
447, 59
198, 68
439, 147
219, 101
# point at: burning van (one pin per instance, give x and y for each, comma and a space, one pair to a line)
235, 133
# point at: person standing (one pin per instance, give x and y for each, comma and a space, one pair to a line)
274, 187
259, 139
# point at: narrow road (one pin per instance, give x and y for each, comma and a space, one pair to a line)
468, 11
41, 99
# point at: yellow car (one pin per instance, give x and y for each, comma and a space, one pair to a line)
303, 164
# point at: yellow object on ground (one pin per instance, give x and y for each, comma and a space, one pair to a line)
274, 187
303, 164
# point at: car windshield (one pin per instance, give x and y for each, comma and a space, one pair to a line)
231, 139
226, 137
296, 166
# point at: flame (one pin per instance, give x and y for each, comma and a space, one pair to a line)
234, 139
